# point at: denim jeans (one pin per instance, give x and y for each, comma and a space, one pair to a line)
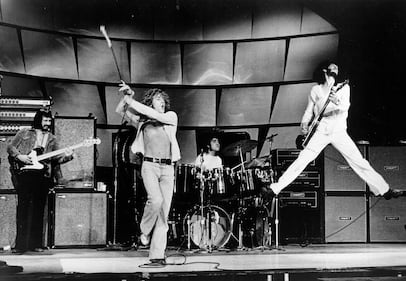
159, 183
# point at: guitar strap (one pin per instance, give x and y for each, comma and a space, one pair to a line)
44, 140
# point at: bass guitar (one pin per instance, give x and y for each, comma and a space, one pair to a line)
35, 158
316, 120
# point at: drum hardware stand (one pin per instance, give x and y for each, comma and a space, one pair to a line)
114, 246
275, 209
239, 212
205, 223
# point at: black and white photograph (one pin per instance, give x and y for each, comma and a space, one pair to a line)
202, 140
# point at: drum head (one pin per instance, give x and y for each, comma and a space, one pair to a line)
213, 229
255, 226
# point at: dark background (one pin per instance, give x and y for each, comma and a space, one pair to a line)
372, 54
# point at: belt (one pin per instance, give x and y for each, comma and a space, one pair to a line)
158, 160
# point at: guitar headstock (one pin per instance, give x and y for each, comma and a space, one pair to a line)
91, 141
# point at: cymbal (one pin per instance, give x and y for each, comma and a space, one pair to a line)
244, 145
259, 162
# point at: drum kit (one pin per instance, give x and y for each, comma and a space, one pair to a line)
208, 226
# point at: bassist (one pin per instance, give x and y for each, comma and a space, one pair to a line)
32, 186
332, 129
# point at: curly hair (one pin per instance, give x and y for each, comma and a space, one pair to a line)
151, 93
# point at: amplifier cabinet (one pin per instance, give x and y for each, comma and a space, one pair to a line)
345, 219
8, 211
79, 219
338, 175
304, 198
387, 219
308, 179
390, 162
5, 175
283, 157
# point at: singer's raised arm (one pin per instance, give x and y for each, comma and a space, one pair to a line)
130, 117
169, 117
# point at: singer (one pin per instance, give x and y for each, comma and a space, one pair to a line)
156, 141
332, 129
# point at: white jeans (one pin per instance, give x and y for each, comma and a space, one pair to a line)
344, 144
159, 182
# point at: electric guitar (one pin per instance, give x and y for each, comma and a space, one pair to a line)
316, 120
35, 158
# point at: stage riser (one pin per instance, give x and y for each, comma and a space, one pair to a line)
80, 219
345, 219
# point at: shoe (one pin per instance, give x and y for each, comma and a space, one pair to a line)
157, 262
38, 250
18, 251
392, 193
144, 239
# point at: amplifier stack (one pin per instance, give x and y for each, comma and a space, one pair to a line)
301, 202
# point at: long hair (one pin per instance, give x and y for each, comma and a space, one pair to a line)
151, 93
37, 122
318, 74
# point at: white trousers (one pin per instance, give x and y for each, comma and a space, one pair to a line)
344, 144
159, 182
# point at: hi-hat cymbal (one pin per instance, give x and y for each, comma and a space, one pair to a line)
234, 148
259, 162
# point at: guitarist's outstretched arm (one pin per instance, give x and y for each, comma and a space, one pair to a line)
61, 158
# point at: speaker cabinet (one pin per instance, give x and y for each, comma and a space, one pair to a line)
345, 219
390, 162
8, 210
300, 224
387, 219
338, 175
5, 178
80, 219
78, 173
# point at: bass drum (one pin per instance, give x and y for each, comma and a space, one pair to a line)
255, 226
220, 226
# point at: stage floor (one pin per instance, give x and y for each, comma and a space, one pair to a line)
316, 260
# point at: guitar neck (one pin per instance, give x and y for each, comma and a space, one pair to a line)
57, 152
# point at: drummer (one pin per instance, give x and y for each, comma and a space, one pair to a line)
209, 159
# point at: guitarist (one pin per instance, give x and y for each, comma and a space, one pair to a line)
32, 186
332, 129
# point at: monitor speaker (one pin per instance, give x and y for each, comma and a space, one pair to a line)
345, 219
80, 219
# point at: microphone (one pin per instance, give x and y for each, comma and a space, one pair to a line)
271, 137
201, 152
